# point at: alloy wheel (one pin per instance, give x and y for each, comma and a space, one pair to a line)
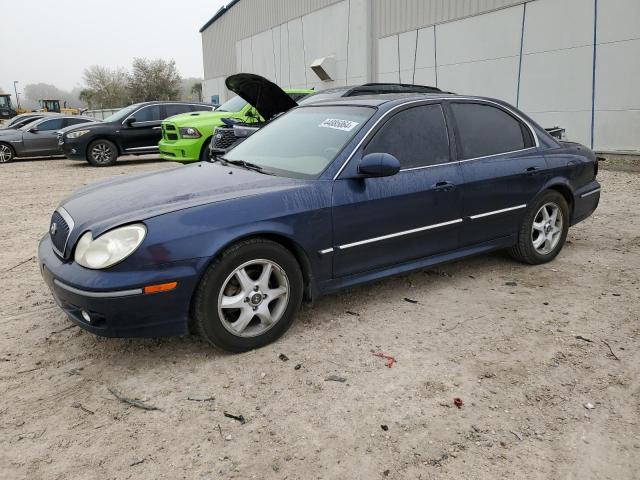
547, 228
253, 298
101, 153
6, 154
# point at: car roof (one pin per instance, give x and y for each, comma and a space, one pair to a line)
169, 102
382, 98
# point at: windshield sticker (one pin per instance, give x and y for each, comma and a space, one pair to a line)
337, 124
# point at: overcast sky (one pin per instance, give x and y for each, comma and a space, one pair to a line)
53, 41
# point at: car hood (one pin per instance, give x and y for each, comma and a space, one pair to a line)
265, 96
195, 119
10, 133
104, 205
80, 126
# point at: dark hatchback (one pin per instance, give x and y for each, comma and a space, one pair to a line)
326, 196
133, 130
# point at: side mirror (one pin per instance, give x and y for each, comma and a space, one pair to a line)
130, 121
34, 130
378, 165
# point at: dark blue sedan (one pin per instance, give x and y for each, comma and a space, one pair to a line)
325, 197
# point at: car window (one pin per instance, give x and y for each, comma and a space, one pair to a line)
75, 121
201, 108
235, 104
53, 124
417, 137
297, 96
148, 114
174, 109
486, 130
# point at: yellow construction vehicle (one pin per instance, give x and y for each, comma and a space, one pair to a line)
54, 106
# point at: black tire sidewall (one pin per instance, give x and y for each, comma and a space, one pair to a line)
114, 155
547, 197
206, 315
204, 152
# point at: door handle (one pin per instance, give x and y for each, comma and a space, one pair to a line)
531, 171
444, 187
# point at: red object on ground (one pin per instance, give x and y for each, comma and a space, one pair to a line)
458, 402
390, 359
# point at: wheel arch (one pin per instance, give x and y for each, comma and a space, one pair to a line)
298, 252
564, 189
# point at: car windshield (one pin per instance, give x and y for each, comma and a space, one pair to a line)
303, 142
122, 113
30, 124
233, 105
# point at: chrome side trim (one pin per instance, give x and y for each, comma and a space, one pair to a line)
85, 293
70, 223
440, 99
399, 234
325, 251
141, 148
592, 192
497, 212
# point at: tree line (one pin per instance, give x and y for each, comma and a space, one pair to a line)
106, 87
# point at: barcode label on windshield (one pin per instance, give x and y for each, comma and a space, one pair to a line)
337, 124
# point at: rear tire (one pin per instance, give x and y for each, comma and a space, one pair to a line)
249, 296
102, 153
543, 231
7, 153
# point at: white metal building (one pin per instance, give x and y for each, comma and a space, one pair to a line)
573, 63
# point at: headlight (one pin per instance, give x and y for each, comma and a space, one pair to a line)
190, 132
109, 248
77, 133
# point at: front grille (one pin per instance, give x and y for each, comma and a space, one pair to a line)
60, 138
169, 126
59, 231
224, 138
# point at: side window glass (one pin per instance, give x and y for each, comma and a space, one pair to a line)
75, 121
417, 137
201, 108
486, 130
148, 114
172, 109
54, 124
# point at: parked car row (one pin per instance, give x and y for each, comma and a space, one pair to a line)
327, 195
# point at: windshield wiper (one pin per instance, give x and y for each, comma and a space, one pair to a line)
246, 165
216, 158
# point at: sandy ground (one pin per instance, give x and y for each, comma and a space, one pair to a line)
499, 335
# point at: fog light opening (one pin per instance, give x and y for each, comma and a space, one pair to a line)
86, 316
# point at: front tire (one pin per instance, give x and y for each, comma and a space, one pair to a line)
543, 231
204, 153
102, 153
7, 153
249, 296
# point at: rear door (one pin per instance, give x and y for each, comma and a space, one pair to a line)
501, 167
144, 133
379, 222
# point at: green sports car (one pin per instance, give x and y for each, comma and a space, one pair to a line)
186, 137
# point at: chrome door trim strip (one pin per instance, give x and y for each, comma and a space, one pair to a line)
85, 293
325, 251
70, 223
440, 99
399, 234
497, 212
590, 193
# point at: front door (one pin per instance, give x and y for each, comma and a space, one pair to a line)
501, 167
378, 222
43, 140
145, 132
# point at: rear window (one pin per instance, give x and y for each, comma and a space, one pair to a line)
486, 130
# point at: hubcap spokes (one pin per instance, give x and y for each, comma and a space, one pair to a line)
253, 298
101, 153
5, 154
547, 228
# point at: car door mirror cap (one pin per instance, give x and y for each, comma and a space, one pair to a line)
375, 165
130, 121
34, 130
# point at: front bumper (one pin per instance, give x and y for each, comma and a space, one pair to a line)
114, 300
183, 150
74, 150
